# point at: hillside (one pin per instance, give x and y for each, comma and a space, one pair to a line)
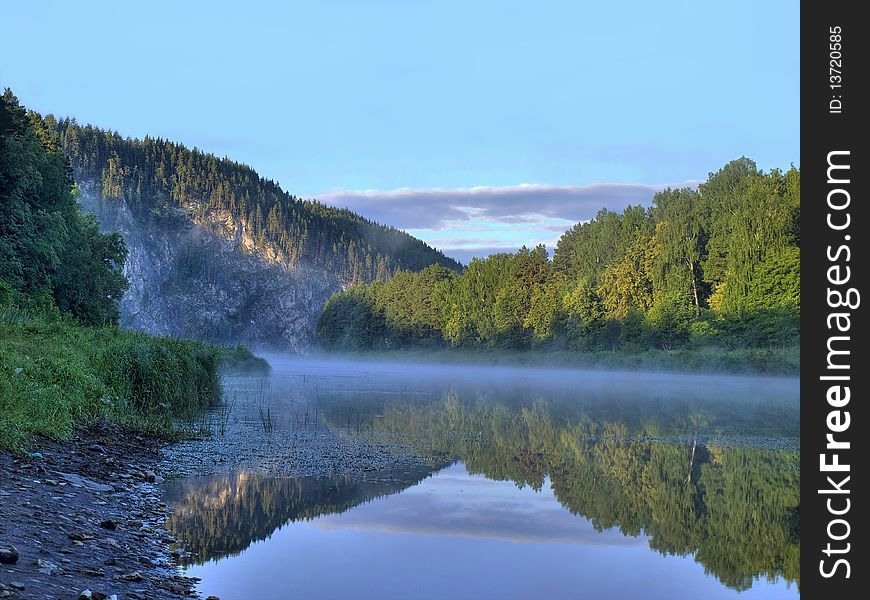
63, 361
217, 252
714, 267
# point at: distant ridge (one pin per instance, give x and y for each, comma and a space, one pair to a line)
215, 251
156, 176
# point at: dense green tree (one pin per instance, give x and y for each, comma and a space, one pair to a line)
526, 272
669, 320
350, 321
52, 257
716, 265
585, 316
776, 281
408, 304
762, 230
587, 249
721, 195
545, 314
680, 240
160, 180
626, 286
474, 299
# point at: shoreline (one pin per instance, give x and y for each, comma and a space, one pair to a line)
87, 514
755, 362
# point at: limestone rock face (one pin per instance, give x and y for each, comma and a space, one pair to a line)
201, 280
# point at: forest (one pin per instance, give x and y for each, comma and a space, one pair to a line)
163, 180
714, 266
52, 255
63, 360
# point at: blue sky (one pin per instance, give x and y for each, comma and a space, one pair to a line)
335, 98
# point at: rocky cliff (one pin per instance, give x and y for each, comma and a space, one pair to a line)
206, 283
219, 253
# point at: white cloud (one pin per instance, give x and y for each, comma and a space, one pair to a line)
477, 221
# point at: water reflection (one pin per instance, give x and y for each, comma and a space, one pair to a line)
705, 472
456, 504
221, 515
458, 535
726, 493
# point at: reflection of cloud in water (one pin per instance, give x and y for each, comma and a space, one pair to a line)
454, 503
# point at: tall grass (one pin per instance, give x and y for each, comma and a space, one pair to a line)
55, 375
160, 374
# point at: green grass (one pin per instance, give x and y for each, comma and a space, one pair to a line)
762, 361
240, 360
56, 375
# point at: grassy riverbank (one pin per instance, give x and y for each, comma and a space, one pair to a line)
760, 361
56, 375
63, 360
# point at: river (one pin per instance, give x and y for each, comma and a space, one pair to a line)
344, 479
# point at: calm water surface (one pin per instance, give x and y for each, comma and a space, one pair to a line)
539, 484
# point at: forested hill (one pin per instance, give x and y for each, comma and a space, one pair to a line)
158, 177
713, 266
214, 251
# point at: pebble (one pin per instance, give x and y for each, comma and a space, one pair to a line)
64, 534
83, 482
90, 595
47, 567
113, 544
8, 554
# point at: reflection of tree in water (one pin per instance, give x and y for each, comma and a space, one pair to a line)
222, 515
734, 507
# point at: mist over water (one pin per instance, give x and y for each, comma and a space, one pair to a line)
735, 387
678, 402
555, 476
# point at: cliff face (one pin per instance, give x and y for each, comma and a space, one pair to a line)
205, 281
217, 252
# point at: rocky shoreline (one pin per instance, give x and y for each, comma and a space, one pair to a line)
84, 519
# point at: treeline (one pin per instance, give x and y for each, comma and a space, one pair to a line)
63, 360
53, 259
719, 265
163, 180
